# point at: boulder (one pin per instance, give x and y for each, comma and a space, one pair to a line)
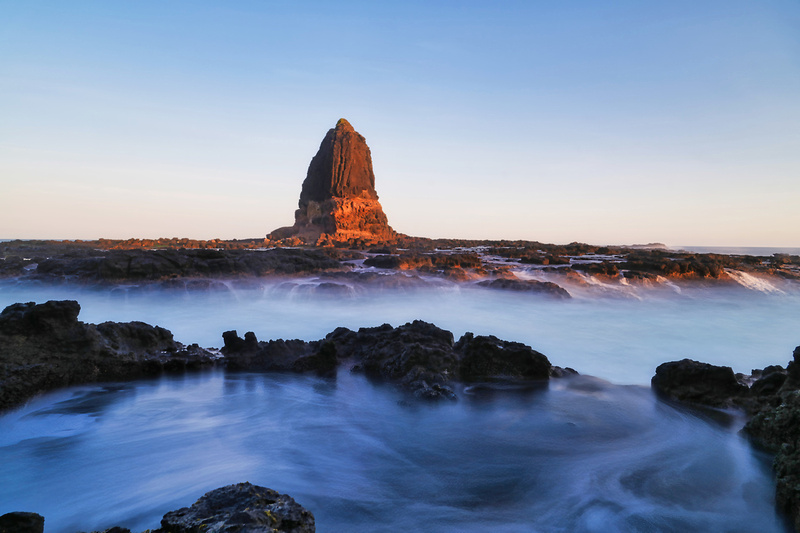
240, 508
21, 522
487, 357
700, 383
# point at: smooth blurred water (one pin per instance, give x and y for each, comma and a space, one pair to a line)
617, 332
578, 456
581, 455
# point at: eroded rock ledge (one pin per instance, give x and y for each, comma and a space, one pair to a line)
419, 356
769, 396
45, 346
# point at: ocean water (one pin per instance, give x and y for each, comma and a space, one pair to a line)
578, 456
759, 251
616, 331
589, 454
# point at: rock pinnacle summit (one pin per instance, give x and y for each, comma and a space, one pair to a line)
338, 202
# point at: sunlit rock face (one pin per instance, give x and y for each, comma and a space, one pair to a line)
338, 202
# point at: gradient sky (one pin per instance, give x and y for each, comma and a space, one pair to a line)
601, 122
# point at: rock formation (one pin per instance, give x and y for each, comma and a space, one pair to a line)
418, 356
243, 507
338, 202
239, 508
44, 347
770, 395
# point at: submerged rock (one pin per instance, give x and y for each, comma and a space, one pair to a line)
240, 508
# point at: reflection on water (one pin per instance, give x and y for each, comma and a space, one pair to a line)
580, 456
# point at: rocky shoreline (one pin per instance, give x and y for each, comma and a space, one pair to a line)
45, 346
171, 263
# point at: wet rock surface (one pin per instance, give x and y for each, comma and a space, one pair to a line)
419, 356
244, 508
239, 508
544, 287
196, 264
156, 265
44, 346
692, 381
21, 522
769, 396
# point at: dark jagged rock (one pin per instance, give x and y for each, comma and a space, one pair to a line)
21, 522
485, 357
338, 202
545, 287
273, 355
778, 431
240, 508
695, 382
418, 356
44, 346
171, 265
772, 400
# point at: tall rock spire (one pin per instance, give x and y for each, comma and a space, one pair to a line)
338, 202
342, 167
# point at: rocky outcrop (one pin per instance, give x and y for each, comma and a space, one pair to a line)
239, 508
418, 356
771, 397
338, 202
696, 382
21, 522
544, 287
175, 266
44, 346
778, 431
243, 507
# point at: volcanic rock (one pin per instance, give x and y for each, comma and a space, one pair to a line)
44, 346
21, 522
243, 507
773, 400
338, 202
418, 356
545, 287
696, 382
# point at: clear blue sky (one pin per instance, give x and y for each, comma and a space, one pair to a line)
602, 122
